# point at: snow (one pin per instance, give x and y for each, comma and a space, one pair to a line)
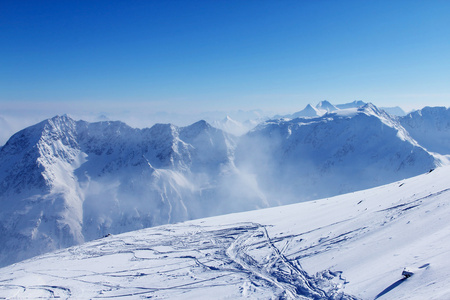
346, 150
394, 111
233, 126
65, 182
354, 104
308, 111
326, 106
351, 246
430, 127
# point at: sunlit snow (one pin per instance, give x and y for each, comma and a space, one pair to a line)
351, 246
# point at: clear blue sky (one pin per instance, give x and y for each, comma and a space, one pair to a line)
180, 55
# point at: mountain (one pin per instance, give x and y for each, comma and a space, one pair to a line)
430, 127
340, 152
326, 106
65, 182
308, 111
394, 111
354, 104
321, 108
231, 126
354, 246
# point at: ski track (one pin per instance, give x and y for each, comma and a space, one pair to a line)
203, 257
243, 255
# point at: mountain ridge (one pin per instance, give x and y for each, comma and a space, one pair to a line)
64, 182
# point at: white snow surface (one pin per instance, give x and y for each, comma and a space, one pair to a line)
353, 246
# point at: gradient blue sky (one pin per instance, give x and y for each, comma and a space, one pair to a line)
218, 55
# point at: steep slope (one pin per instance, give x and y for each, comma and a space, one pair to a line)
354, 246
348, 150
65, 182
39, 196
430, 126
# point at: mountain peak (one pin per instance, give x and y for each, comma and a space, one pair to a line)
327, 106
308, 111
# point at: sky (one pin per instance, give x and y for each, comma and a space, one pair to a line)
179, 57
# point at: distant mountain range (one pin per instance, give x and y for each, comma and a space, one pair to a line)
64, 182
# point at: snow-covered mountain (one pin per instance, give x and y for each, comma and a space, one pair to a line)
232, 126
320, 109
354, 104
394, 111
354, 246
430, 126
66, 182
308, 111
326, 106
339, 152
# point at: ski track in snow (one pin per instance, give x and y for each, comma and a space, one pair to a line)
203, 257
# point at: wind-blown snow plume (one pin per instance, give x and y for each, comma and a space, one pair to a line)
339, 152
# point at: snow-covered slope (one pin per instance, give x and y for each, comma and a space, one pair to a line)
66, 182
351, 246
354, 104
339, 152
326, 106
308, 111
320, 109
430, 126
